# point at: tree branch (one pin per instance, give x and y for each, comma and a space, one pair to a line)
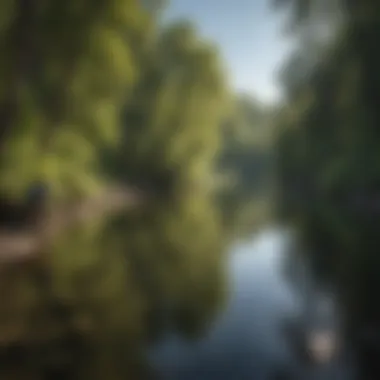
21, 246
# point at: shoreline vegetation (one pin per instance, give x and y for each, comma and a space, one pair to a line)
94, 94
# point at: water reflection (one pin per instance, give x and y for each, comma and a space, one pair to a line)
247, 341
244, 341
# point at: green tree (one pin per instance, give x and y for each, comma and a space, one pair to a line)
67, 70
328, 165
133, 106
171, 140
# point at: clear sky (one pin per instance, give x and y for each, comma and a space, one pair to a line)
249, 35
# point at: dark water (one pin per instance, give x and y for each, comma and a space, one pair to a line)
246, 341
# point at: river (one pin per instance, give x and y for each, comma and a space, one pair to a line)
247, 340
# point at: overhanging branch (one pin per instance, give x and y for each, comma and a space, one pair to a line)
21, 246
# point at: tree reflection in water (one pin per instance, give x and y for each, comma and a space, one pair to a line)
249, 339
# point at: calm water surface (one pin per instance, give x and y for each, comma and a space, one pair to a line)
246, 341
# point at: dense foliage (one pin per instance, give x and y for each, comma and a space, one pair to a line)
329, 161
95, 93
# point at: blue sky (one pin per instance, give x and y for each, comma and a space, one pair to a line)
249, 35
